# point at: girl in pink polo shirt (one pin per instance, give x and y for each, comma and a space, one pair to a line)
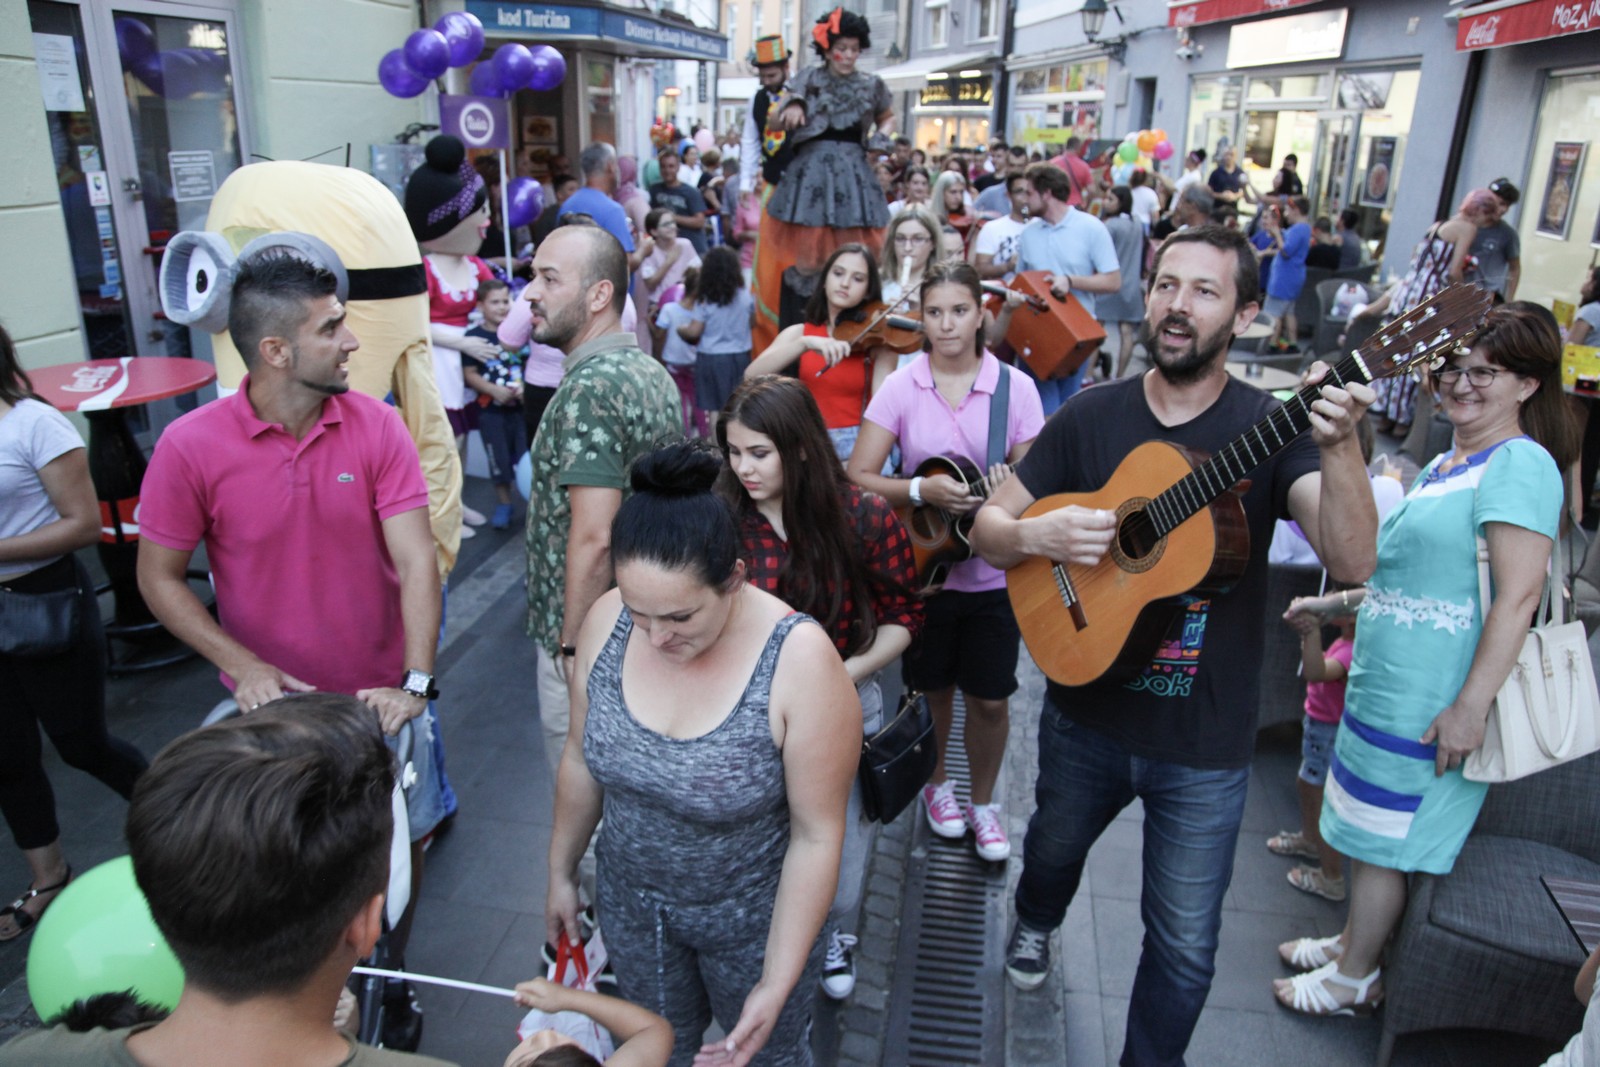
939, 405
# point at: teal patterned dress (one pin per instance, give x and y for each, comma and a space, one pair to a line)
1416, 636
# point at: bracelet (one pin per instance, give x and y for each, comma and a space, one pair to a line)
569, 650
1344, 598
916, 492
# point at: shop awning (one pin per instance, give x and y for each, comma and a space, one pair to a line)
913, 74
640, 32
1201, 12
1504, 22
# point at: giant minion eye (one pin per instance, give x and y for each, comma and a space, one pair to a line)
196, 280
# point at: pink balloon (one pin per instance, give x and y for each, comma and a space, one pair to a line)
1163, 150
705, 140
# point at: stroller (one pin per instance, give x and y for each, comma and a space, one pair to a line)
368, 988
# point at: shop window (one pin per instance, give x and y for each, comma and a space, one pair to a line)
786, 19
1559, 220
731, 22
757, 21
1291, 87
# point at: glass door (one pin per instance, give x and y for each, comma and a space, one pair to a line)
1333, 172
177, 134
78, 136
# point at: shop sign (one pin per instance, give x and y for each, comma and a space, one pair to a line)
959, 92
1200, 12
1525, 22
479, 121
509, 18
1291, 39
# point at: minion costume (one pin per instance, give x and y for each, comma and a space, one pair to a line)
387, 306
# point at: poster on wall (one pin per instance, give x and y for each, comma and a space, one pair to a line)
1375, 186
1560, 189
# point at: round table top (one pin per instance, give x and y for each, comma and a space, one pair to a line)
101, 384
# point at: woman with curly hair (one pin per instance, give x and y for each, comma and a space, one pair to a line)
724, 315
827, 196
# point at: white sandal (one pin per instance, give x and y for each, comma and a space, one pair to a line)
1309, 953
1308, 993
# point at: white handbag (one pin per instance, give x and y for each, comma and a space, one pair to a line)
1548, 710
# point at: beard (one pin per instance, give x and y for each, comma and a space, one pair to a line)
336, 387
1191, 364
558, 329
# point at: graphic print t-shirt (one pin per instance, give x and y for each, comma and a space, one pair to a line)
1195, 703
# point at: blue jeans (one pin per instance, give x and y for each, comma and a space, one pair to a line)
1191, 824
1053, 392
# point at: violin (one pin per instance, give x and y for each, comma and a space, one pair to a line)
882, 326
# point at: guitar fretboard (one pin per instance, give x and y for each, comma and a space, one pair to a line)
1255, 446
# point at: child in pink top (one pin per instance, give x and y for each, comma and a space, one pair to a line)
1325, 672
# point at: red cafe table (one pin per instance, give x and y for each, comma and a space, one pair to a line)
101, 389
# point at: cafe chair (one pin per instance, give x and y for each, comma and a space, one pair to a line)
1484, 946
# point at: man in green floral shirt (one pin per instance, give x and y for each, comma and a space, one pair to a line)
614, 404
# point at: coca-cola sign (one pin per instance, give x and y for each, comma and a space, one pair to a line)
1533, 21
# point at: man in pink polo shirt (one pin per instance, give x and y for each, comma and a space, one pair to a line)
312, 506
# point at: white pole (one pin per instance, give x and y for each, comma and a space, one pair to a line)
427, 979
505, 209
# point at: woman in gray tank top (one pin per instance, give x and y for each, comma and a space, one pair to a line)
716, 732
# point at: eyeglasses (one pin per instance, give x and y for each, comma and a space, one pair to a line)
1480, 377
909, 239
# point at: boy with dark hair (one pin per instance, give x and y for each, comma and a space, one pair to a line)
498, 383
262, 846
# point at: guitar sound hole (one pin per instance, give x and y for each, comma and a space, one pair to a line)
1136, 536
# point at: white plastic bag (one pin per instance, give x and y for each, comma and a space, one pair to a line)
1345, 299
575, 967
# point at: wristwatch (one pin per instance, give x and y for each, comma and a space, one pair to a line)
419, 684
914, 490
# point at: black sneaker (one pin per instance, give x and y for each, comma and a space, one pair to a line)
839, 969
1027, 956
402, 1016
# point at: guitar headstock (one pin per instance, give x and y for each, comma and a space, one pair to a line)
1431, 330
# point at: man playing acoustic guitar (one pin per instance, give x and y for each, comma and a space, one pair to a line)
1178, 729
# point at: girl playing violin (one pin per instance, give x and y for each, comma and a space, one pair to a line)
845, 297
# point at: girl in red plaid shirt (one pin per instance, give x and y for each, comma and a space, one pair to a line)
833, 551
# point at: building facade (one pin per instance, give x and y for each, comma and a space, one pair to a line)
127, 115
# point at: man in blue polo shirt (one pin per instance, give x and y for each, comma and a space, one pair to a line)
597, 198
1075, 247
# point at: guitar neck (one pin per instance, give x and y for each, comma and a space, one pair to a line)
1196, 490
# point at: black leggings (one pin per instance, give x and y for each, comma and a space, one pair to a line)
65, 694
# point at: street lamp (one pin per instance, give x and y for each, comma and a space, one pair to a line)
1094, 20
1094, 17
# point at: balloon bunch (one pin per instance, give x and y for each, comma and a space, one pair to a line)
456, 40
175, 73
662, 134
1137, 150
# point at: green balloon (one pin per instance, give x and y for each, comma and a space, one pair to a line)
98, 937
1127, 151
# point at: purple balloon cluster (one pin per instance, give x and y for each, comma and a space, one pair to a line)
454, 41
175, 72
515, 66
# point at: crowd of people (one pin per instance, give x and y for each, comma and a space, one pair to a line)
733, 388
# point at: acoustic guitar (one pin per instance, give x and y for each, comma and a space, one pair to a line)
1180, 522
940, 538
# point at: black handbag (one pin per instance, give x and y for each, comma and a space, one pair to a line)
34, 625
898, 760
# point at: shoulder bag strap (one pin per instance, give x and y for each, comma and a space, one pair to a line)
998, 405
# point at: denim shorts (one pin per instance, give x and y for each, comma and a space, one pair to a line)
424, 797
1316, 748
